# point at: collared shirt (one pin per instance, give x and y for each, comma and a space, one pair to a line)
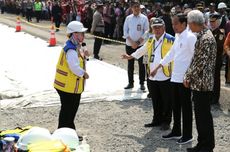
160, 76
201, 71
73, 62
135, 27
98, 23
181, 53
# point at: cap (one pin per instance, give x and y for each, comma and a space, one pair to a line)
212, 4
142, 6
221, 5
199, 6
213, 17
99, 3
75, 26
157, 22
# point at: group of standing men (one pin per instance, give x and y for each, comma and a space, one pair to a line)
180, 69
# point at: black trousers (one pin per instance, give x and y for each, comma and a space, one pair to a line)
97, 43
161, 100
57, 22
129, 51
69, 106
38, 15
181, 103
216, 89
29, 13
204, 121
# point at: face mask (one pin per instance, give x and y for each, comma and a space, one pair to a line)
74, 40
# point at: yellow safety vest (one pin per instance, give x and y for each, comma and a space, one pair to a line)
167, 44
65, 79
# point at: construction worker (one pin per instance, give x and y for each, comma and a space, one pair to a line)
71, 74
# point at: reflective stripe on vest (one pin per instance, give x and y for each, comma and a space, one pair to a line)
65, 79
167, 44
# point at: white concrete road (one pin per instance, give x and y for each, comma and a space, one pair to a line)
27, 68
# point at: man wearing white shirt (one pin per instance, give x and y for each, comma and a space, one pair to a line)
157, 47
135, 27
181, 53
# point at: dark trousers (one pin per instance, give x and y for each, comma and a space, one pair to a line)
129, 51
57, 22
161, 100
204, 121
97, 43
181, 103
69, 106
216, 89
29, 13
38, 15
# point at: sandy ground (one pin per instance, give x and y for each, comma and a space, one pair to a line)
115, 126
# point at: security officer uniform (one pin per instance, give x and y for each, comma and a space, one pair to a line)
219, 37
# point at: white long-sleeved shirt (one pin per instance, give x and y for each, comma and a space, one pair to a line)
135, 27
160, 76
181, 53
73, 62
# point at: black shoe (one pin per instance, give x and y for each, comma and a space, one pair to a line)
80, 138
193, 149
57, 30
152, 124
149, 95
129, 86
97, 57
165, 126
184, 140
171, 136
142, 87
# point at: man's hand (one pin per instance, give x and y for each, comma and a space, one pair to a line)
86, 53
153, 73
134, 45
186, 83
86, 76
126, 56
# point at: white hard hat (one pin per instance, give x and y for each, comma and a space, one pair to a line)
75, 26
142, 6
68, 136
35, 134
221, 5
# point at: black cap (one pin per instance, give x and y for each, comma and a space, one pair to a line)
157, 22
214, 16
99, 3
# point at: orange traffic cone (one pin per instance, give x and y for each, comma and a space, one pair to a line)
52, 37
18, 25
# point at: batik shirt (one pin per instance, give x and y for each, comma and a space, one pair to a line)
201, 72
